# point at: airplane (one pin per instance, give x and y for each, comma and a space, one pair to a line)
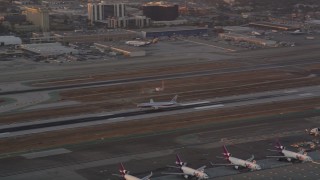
290, 155
138, 43
157, 105
125, 174
297, 32
158, 89
187, 171
313, 131
236, 162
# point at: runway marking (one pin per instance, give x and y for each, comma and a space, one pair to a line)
194, 103
290, 91
116, 118
70, 80
210, 107
51, 152
306, 94
101, 115
3, 134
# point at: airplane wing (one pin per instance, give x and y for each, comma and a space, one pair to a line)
201, 168
155, 107
167, 173
276, 156
250, 159
221, 164
147, 177
173, 167
118, 175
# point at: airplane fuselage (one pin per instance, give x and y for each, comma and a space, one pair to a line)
129, 177
293, 155
243, 163
156, 105
194, 173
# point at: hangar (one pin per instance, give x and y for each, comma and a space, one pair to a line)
9, 40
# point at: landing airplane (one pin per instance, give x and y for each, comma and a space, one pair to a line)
187, 171
157, 105
236, 162
125, 174
290, 155
313, 131
158, 89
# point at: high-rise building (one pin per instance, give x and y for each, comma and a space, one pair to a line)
102, 11
161, 12
39, 17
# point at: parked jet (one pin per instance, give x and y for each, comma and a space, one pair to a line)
125, 174
138, 43
297, 32
236, 162
290, 155
313, 131
157, 105
187, 171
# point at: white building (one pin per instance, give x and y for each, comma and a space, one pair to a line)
103, 11
9, 40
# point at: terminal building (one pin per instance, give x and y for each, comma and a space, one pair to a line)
90, 37
248, 39
161, 12
174, 31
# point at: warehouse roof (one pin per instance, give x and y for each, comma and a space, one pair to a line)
10, 40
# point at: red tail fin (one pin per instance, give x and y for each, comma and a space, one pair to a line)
122, 170
226, 154
278, 146
178, 161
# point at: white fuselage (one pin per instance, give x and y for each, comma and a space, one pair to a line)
193, 172
243, 163
156, 105
137, 43
129, 177
293, 155
315, 131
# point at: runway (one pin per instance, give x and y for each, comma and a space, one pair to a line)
19, 129
169, 76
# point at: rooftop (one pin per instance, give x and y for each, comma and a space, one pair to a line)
180, 28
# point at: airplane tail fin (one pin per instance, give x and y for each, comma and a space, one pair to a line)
174, 99
226, 153
179, 162
278, 146
122, 170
